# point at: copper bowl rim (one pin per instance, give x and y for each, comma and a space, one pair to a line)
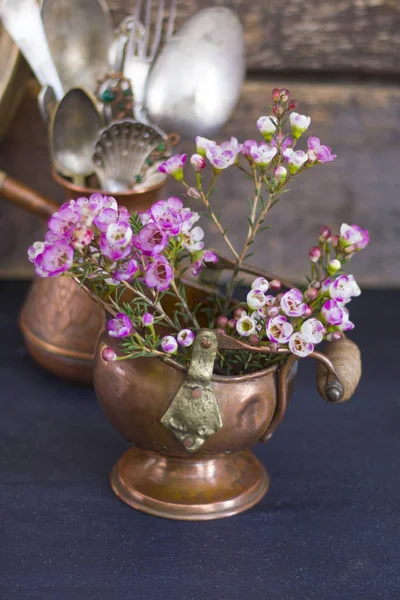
85, 190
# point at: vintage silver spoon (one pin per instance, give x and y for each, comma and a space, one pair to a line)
73, 131
79, 34
196, 80
21, 18
47, 103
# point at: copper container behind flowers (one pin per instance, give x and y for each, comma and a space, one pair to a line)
193, 430
59, 321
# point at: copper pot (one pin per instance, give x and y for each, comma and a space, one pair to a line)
59, 321
193, 431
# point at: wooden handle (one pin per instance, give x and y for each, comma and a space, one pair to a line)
26, 197
346, 359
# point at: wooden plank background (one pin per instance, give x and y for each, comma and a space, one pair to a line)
358, 117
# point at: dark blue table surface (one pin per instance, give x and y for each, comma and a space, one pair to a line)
327, 530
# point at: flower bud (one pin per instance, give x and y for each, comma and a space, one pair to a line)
280, 174
108, 355
334, 241
315, 284
335, 336
272, 311
147, 319
222, 322
299, 123
193, 193
275, 285
254, 339
307, 312
311, 293
276, 95
350, 249
198, 162
275, 109
293, 104
284, 94
238, 312
324, 233
334, 266
315, 254
232, 324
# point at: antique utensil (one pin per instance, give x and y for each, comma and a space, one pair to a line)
22, 20
196, 80
47, 103
114, 94
73, 130
121, 151
79, 34
116, 54
141, 50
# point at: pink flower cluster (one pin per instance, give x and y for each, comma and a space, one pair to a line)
98, 230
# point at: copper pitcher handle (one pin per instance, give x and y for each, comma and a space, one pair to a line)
340, 385
26, 197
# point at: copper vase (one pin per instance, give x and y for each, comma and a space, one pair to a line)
193, 431
59, 321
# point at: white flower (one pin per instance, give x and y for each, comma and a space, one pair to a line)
191, 237
295, 158
266, 127
263, 154
169, 344
299, 123
260, 284
314, 329
279, 330
301, 344
255, 299
203, 144
245, 326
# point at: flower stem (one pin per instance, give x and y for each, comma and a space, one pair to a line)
184, 304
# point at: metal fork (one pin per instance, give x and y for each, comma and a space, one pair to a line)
139, 55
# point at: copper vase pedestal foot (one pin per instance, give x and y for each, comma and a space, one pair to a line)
194, 489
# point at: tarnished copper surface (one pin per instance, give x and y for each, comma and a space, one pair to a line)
134, 201
135, 395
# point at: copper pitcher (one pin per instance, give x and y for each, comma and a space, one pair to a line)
193, 430
59, 321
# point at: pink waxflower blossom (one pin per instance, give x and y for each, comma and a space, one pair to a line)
167, 215
34, 250
121, 326
174, 166
260, 283
64, 220
198, 162
353, 235
247, 146
219, 158
169, 344
55, 259
191, 237
332, 313
281, 142
108, 355
267, 126
151, 240
204, 144
205, 257
113, 252
301, 344
98, 203
314, 329
280, 174
319, 153
299, 124
346, 325
185, 338
81, 237
159, 274
292, 303
295, 159
126, 271
315, 254
263, 154
245, 326
119, 234
343, 288
105, 218
279, 330
255, 299
232, 145
147, 319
